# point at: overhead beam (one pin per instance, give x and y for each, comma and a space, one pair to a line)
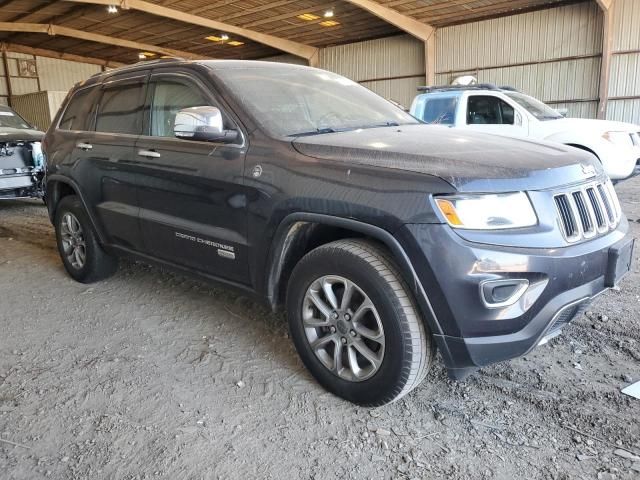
420, 30
289, 46
605, 4
607, 7
54, 30
43, 52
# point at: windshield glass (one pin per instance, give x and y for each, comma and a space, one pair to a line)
534, 107
296, 101
10, 119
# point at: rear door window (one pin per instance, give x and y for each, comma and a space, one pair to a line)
78, 114
489, 110
120, 109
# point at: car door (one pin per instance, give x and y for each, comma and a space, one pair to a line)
491, 114
103, 152
191, 193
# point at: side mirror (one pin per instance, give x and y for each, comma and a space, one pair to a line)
562, 111
518, 119
202, 124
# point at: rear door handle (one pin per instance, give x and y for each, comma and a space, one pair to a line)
148, 154
84, 146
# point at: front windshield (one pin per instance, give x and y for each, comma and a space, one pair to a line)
9, 119
288, 101
534, 107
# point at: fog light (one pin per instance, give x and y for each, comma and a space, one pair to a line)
502, 293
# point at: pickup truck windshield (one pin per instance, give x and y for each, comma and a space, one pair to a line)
294, 101
9, 119
534, 107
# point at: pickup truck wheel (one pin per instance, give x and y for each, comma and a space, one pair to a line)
355, 324
82, 256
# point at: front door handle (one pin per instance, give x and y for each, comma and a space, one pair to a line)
84, 146
148, 154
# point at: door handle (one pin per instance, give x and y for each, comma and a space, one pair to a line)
148, 154
84, 146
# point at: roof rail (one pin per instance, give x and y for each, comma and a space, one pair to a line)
160, 60
444, 88
143, 62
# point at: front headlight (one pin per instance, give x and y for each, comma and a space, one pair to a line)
618, 138
488, 211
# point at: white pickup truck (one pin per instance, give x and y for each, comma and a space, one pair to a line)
504, 111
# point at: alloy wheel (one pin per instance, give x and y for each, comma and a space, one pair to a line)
73, 241
343, 328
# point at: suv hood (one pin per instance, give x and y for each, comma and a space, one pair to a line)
586, 125
20, 134
468, 161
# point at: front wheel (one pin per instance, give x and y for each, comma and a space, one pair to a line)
355, 324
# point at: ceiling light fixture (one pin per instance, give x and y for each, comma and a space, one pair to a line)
112, 9
213, 38
235, 43
142, 56
308, 17
328, 14
329, 23
224, 37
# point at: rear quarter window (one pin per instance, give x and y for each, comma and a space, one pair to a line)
77, 115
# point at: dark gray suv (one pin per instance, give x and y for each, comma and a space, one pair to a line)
382, 236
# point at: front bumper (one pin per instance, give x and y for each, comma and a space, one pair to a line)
18, 185
619, 162
562, 281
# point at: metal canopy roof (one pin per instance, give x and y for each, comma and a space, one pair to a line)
78, 29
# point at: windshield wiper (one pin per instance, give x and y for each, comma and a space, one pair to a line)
321, 131
383, 124
317, 131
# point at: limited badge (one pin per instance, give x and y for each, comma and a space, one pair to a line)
256, 172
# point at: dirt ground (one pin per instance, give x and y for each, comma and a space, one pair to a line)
151, 375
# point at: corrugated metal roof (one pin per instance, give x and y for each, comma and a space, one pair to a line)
398, 56
626, 14
279, 18
573, 30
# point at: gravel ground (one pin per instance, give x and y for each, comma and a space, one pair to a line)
151, 375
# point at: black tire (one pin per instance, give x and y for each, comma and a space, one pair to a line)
408, 345
98, 265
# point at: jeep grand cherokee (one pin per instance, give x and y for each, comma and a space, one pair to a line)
383, 237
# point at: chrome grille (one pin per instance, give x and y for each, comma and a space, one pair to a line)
581, 205
593, 200
587, 211
566, 216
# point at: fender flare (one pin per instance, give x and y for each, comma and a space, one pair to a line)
283, 239
53, 198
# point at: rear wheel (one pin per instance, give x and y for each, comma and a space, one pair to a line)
82, 256
355, 325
